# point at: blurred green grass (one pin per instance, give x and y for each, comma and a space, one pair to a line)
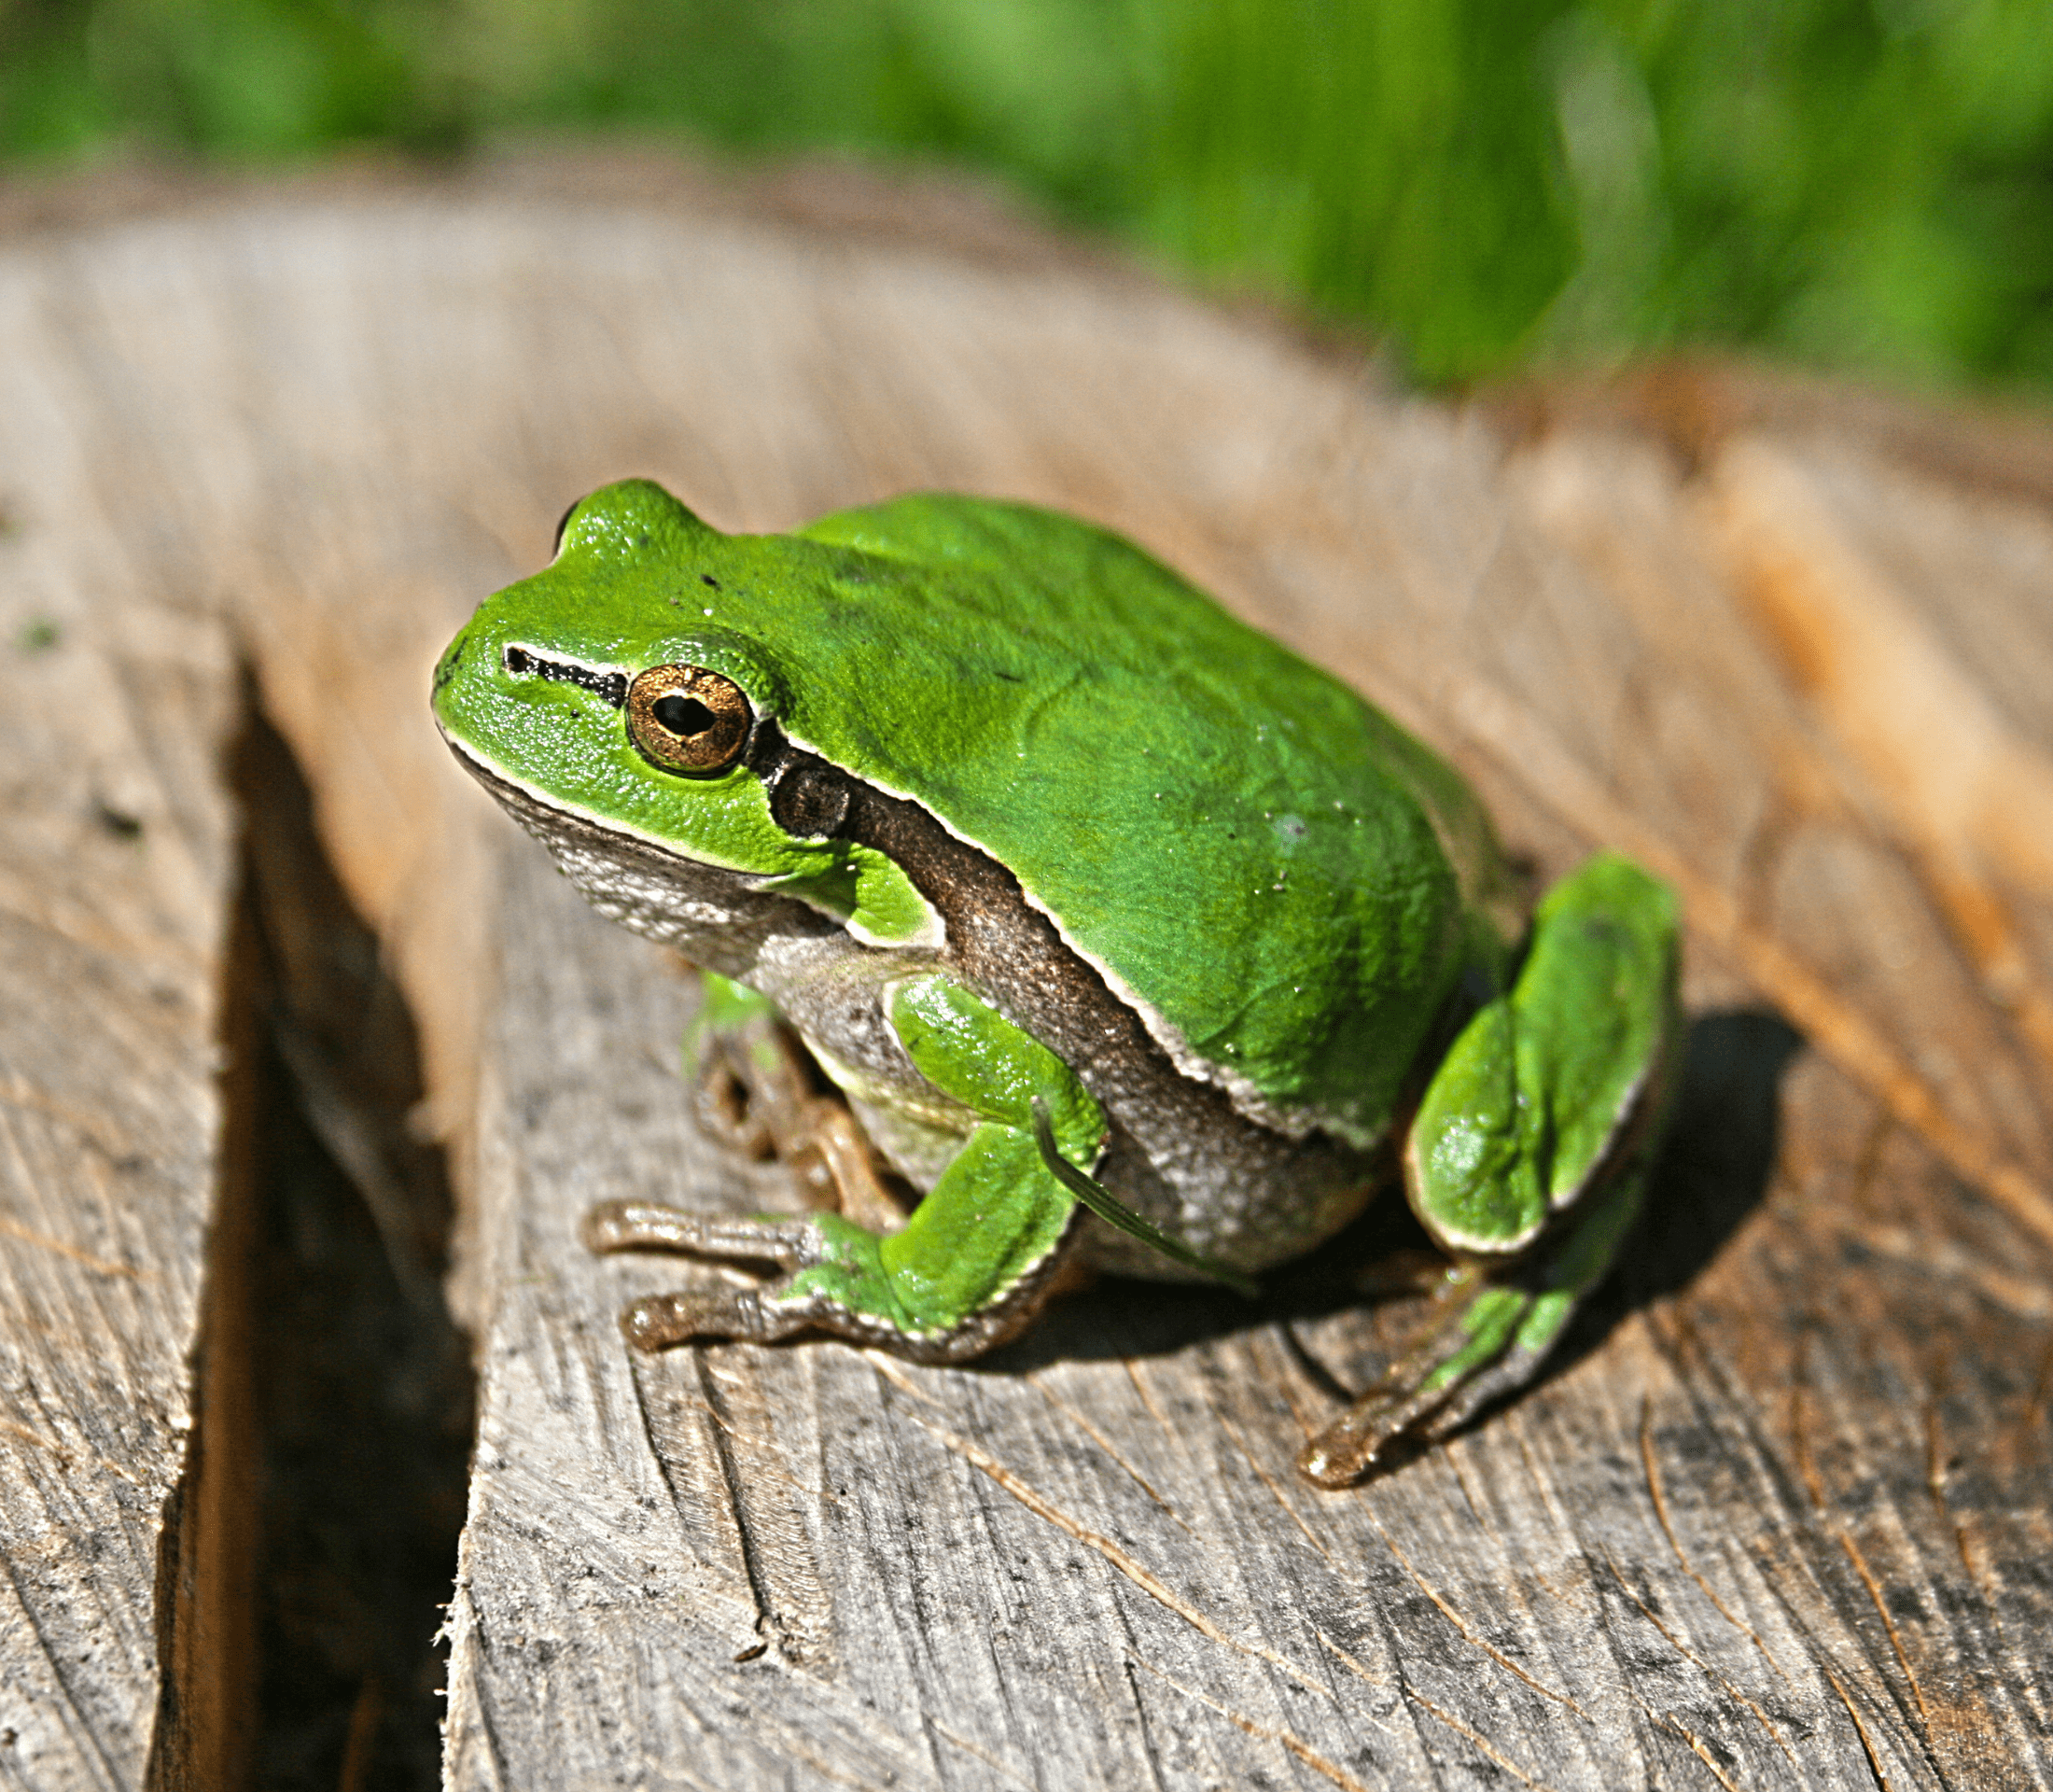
1864, 185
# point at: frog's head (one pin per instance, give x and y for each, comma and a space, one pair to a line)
619, 705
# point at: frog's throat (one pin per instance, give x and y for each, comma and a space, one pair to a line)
715, 914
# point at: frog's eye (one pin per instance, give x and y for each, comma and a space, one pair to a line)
686, 719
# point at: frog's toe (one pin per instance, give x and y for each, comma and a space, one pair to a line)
658, 1322
1488, 1351
648, 1226
762, 1315
1490, 1346
1348, 1448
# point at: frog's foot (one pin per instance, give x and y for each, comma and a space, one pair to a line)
659, 1320
1493, 1343
648, 1226
837, 1279
975, 1262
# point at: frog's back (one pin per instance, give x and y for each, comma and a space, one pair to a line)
1282, 880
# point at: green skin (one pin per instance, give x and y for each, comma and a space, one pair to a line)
1087, 895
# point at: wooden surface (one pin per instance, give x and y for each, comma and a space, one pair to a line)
1780, 1517
117, 876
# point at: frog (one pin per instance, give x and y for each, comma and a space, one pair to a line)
1118, 937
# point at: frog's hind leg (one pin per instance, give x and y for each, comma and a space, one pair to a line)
1491, 1345
1529, 1153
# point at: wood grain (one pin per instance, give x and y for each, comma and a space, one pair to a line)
1780, 1517
117, 878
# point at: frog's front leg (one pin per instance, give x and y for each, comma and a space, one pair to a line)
754, 1094
1529, 1155
971, 1266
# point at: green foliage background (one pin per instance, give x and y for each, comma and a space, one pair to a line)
1865, 184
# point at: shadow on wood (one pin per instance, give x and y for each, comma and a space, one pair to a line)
1720, 1155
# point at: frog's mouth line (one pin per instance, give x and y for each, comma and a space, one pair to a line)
563, 831
536, 811
545, 816
508, 791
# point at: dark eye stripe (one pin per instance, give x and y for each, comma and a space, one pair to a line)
523, 663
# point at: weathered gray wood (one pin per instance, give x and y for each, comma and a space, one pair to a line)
1742, 1540
117, 874
1780, 1516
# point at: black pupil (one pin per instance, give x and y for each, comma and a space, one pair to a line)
681, 715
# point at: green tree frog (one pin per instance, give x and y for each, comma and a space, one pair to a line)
1130, 938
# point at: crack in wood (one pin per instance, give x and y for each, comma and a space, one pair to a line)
1147, 1398
96, 936
1731, 1690
65, 1452
1098, 1436
730, 1481
26, 1098
1837, 1529
1860, 1729
61, 1663
1354, 1665
1937, 1468
1147, 1733
1697, 1745
334, 1401
1457, 1467
1651, 1469
968, 1747
1852, 1551
1276, 1492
